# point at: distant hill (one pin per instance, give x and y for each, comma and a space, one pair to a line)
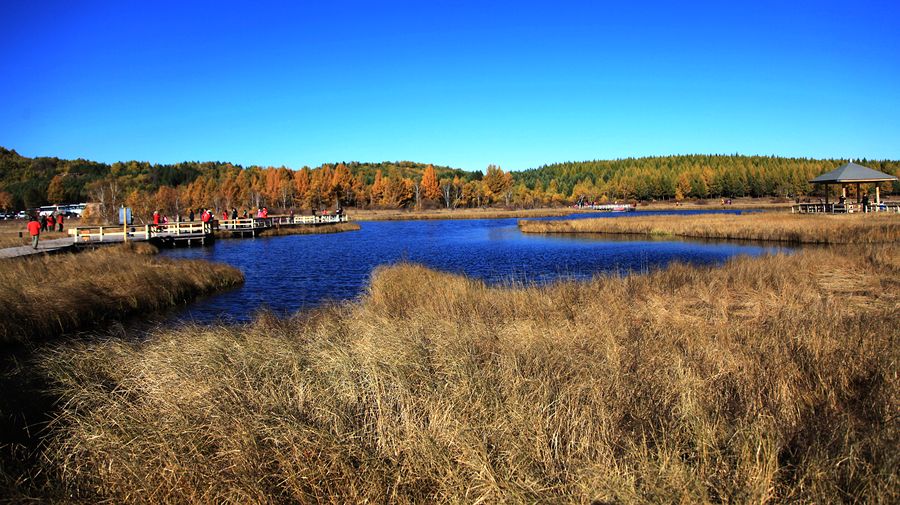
31, 182
690, 176
28, 180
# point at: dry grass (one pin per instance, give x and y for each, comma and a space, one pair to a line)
815, 229
766, 380
744, 203
49, 295
310, 230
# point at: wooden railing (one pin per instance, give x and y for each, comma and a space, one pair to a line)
187, 229
843, 208
117, 233
258, 223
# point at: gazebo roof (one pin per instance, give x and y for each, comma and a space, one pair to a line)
851, 172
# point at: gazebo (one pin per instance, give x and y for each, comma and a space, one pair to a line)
846, 174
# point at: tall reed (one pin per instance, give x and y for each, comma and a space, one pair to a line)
765, 380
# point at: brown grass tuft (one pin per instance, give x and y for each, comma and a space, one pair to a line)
46, 296
797, 228
766, 380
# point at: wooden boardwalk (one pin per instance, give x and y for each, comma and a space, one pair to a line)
171, 234
844, 208
187, 233
254, 225
44, 247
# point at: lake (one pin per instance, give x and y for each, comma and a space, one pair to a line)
289, 273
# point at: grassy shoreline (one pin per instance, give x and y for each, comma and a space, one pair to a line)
766, 379
499, 213
50, 295
780, 227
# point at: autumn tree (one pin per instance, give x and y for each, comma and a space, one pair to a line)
376, 192
320, 189
108, 195
430, 187
359, 189
301, 187
243, 184
683, 186
342, 185
6, 200
56, 192
285, 187
168, 199
141, 205
497, 184
230, 191
398, 192
450, 191
473, 194
272, 186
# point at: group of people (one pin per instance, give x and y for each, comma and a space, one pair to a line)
206, 215
39, 224
50, 222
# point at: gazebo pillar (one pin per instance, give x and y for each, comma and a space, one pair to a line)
857, 193
877, 194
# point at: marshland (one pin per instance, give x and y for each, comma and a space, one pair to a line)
702, 371
766, 379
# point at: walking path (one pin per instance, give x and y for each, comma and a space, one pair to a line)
166, 234
44, 247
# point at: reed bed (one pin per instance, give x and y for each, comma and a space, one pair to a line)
780, 227
310, 230
46, 296
765, 380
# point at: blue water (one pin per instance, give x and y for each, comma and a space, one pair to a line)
292, 272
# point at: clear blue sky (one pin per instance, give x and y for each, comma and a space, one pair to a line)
454, 83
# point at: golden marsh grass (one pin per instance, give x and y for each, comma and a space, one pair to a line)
765, 380
46, 296
782, 227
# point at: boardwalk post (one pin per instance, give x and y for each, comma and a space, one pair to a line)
101, 234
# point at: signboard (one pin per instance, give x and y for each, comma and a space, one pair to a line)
125, 215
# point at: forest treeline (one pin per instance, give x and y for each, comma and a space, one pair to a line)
173, 188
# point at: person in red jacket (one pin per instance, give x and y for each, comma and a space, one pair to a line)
206, 217
34, 228
51, 222
59, 221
